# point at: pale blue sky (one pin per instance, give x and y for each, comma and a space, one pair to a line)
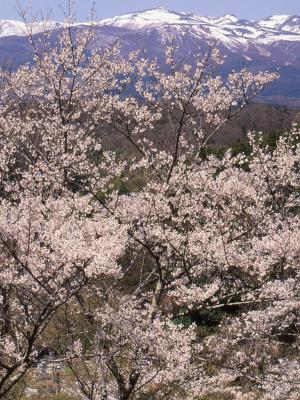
251, 9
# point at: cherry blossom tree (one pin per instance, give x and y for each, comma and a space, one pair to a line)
186, 286
48, 230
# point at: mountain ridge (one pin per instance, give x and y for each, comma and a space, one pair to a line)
161, 16
271, 43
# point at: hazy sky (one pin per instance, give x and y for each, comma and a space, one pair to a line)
251, 9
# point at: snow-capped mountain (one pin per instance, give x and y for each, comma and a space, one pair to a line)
229, 29
284, 23
10, 27
263, 31
271, 43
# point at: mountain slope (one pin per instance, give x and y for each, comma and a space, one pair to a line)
271, 43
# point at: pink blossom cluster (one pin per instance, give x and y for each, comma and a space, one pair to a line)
185, 287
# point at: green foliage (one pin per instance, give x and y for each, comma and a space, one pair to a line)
124, 184
185, 321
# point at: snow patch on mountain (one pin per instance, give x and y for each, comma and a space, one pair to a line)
273, 22
150, 18
18, 28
